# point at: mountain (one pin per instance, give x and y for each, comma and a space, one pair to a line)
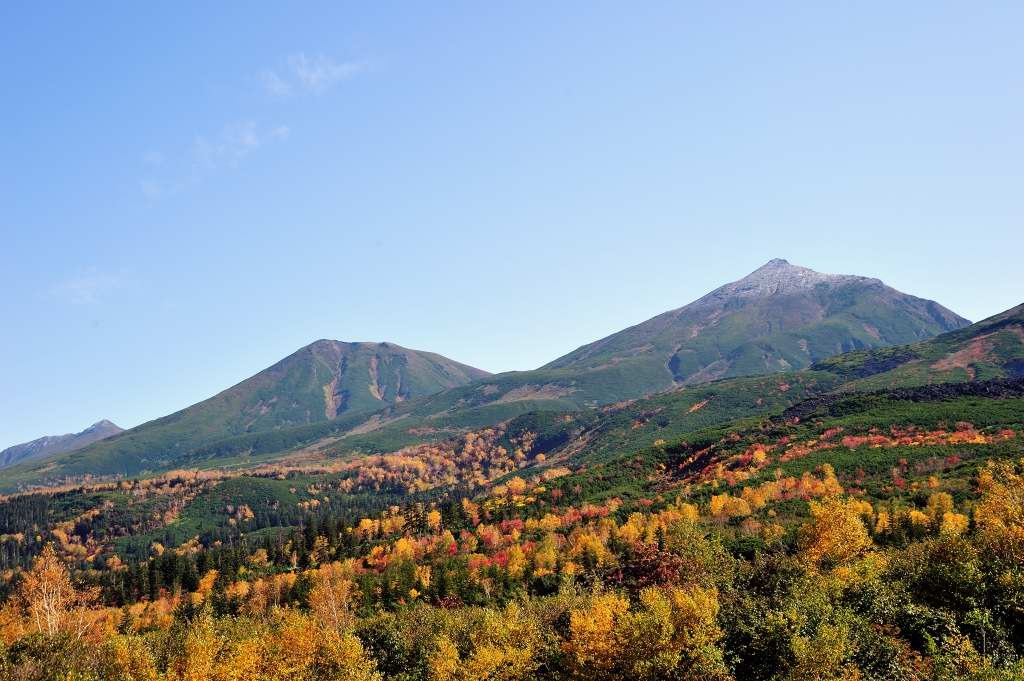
379, 397
57, 444
779, 317
329, 378
325, 381
982, 361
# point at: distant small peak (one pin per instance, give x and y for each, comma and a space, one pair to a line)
102, 426
776, 265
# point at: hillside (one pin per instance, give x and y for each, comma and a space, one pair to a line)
992, 348
878, 534
322, 382
777, 318
929, 371
58, 444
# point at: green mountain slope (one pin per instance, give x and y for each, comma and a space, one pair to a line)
322, 382
884, 446
992, 348
779, 317
597, 434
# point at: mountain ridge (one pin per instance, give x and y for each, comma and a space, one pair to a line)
48, 445
780, 317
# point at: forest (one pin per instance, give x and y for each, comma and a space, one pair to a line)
864, 538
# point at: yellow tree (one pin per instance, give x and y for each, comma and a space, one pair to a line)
516, 562
592, 648
341, 656
434, 520
939, 504
126, 658
331, 598
50, 598
300, 649
697, 634
835, 534
195, 654
502, 647
1000, 513
644, 645
823, 657
443, 663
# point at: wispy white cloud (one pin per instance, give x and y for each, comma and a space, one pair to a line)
235, 142
209, 153
313, 75
167, 175
87, 288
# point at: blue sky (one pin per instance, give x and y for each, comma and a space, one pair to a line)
188, 194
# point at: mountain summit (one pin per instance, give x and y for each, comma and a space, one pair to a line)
318, 382
778, 317
779, 277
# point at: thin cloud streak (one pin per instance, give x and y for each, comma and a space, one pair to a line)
209, 153
87, 288
311, 75
299, 73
